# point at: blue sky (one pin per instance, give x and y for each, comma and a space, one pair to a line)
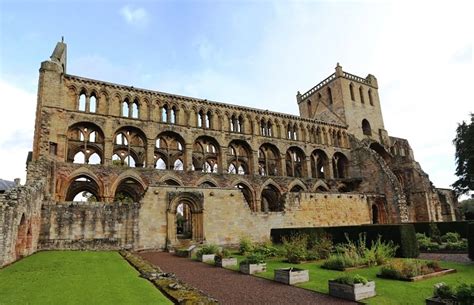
254, 53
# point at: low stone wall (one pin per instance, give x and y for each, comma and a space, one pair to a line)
87, 225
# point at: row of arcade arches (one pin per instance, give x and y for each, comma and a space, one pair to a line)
86, 143
269, 198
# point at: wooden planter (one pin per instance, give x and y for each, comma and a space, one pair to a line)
207, 258
226, 262
291, 276
253, 268
353, 292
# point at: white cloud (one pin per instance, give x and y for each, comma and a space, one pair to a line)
16, 125
135, 16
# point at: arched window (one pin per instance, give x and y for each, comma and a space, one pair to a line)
308, 103
330, 101
371, 98
206, 150
351, 89
125, 108
340, 164
375, 214
92, 104
361, 93
247, 192
169, 149
164, 113
319, 164
85, 143
271, 199
130, 146
366, 130
135, 110
173, 115
128, 191
201, 119
160, 164
240, 155
295, 159
82, 102
83, 188
268, 160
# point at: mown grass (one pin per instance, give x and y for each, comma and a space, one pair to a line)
75, 277
389, 292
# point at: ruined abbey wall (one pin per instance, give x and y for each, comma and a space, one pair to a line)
155, 170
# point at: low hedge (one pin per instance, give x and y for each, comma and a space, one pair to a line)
460, 227
470, 240
402, 235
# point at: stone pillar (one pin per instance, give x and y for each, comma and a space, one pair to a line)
188, 156
283, 164
255, 163
223, 159
108, 150
150, 153
308, 166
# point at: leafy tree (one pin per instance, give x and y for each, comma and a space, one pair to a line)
464, 143
467, 208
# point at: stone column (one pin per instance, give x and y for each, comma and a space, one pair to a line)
150, 153
188, 156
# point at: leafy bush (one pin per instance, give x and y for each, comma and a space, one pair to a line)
267, 249
462, 294
380, 252
407, 269
207, 249
245, 246
425, 243
320, 247
351, 279
254, 258
451, 237
224, 253
339, 262
296, 248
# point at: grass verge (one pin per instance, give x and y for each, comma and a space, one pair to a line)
75, 277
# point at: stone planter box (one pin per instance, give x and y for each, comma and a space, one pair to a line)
437, 301
252, 268
291, 276
207, 258
353, 292
226, 262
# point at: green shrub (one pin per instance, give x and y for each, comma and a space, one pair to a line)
254, 258
296, 248
207, 249
267, 249
460, 227
451, 237
349, 279
245, 246
380, 252
340, 262
320, 247
462, 294
224, 253
435, 233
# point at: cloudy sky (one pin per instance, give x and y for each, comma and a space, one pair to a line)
253, 53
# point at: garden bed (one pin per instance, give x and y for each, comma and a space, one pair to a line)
412, 270
291, 276
353, 292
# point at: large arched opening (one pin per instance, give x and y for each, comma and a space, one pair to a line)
271, 199
185, 217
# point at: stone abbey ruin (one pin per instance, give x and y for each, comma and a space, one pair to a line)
114, 166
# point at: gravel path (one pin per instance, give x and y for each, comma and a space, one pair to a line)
450, 257
230, 287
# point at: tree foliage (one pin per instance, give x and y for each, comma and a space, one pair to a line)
464, 143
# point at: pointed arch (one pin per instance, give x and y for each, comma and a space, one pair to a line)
170, 177
297, 183
320, 186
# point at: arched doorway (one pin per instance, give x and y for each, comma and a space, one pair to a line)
184, 217
375, 214
21, 239
184, 221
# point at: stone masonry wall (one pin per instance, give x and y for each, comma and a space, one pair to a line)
87, 225
20, 221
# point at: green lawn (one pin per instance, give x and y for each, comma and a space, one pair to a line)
388, 291
75, 277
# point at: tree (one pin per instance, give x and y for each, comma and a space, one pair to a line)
464, 143
467, 208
